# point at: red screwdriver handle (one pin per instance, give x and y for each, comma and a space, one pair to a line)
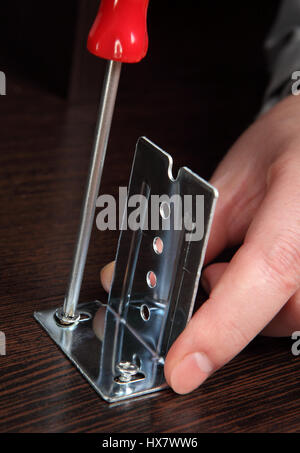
119, 32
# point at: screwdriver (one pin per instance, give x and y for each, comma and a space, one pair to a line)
119, 35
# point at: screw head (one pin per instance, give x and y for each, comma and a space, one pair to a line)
64, 320
127, 371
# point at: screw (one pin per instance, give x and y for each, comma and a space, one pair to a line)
64, 320
127, 370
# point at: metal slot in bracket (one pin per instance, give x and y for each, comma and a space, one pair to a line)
120, 347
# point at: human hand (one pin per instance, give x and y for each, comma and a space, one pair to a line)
259, 290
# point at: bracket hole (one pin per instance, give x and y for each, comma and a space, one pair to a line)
165, 210
145, 312
151, 279
190, 226
158, 245
84, 316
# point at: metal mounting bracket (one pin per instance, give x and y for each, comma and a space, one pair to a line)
120, 347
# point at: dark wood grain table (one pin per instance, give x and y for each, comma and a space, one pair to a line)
45, 145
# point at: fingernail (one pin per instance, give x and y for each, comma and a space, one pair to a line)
190, 373
205, 284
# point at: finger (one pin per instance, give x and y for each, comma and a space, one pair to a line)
285, 322
241, 185
211, 275
106, 275
261, 277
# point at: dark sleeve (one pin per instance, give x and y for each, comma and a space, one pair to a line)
283, 52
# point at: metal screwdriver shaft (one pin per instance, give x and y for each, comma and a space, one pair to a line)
68, 314
118, 34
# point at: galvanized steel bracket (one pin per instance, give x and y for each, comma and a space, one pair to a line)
120, 347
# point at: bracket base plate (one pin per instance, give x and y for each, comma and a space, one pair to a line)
83, 347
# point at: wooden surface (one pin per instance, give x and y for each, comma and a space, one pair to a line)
195, 113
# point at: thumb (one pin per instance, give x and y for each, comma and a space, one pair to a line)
106, 275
